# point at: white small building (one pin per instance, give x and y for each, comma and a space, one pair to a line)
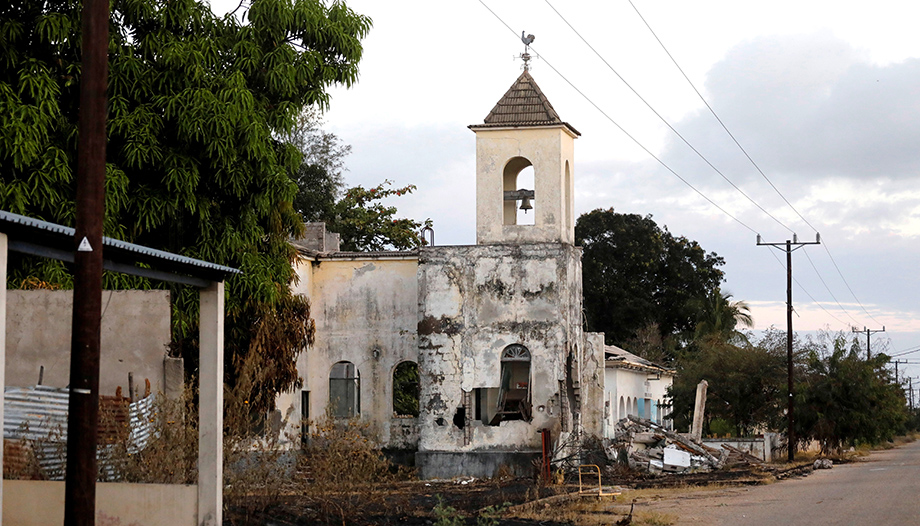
634, 386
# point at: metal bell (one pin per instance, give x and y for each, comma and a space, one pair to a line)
525, 204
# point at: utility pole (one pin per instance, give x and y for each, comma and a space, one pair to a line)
83, 404
789, 246
869, 333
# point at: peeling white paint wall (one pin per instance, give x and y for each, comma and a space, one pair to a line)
499, 295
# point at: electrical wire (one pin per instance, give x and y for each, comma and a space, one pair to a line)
824, 243
803, 289
714, 114
749, 158
623, 130
678, 176
825, 285
665, 121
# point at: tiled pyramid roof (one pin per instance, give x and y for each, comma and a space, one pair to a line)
524, 104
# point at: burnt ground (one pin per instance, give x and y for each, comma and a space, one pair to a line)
422, 503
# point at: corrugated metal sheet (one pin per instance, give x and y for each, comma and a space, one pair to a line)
23, 221
39, 415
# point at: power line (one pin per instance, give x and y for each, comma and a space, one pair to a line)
826, 287
673, 172
805, 291
847, 284
756, 166
615, 123
666, 123
714, 114
902, 353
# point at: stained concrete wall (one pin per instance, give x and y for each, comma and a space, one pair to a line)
592, 378
551, 151
41, 503
135, 332
473, 302
365, 308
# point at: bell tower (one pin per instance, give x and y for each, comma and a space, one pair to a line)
524, 132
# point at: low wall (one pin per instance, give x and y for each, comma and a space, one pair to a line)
762, 447
41, 503
479, 464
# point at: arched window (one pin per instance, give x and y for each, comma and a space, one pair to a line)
405, 389
621, 414
345, 390
514, 390
518, 184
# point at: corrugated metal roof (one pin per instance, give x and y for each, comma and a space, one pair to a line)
38, 415
28, 227
614, 355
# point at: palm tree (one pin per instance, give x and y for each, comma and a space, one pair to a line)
720, 317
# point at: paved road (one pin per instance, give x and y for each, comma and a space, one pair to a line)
885, 489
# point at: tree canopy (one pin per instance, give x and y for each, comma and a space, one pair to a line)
194, 165
844, 400
637, 274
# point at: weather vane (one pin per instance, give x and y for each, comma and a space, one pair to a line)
525, 56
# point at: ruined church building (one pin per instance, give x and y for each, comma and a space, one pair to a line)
494, 330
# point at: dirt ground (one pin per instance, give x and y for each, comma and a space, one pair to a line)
474, 502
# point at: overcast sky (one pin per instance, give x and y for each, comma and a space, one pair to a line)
824, 96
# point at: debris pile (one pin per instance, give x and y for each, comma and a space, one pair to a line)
647, 446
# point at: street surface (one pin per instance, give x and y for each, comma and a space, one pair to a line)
882, 489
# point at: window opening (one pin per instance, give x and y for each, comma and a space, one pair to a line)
345, 390
514, 390
519, 206
405, 390
526, 209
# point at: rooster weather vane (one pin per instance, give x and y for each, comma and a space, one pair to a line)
525, 56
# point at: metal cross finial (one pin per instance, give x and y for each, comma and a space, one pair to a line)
525, 56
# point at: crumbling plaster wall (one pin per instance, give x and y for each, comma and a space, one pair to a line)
365, 309
592, 384
473, 302
134, 334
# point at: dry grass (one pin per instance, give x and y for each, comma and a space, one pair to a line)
594, 511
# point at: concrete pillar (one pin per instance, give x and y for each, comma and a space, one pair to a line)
4, 252
211, 406
699, 410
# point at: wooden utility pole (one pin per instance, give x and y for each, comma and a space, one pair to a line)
869, 333
83, 407
787, 247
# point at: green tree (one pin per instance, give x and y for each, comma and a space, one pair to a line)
637, 274
746, 385
844, 400
364, 223
196, 102
320, 175
720, 317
